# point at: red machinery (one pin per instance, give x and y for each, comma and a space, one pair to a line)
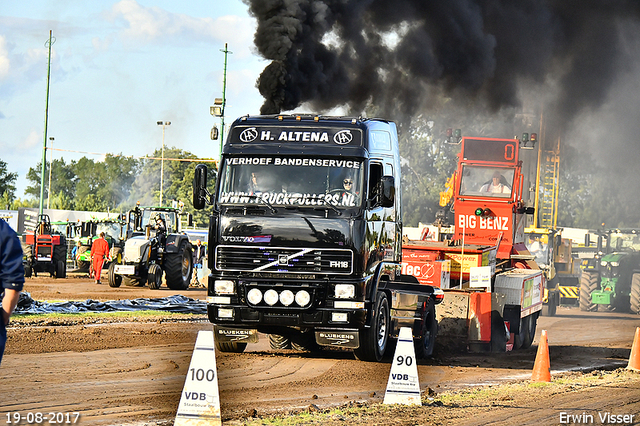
493, 288
46, 251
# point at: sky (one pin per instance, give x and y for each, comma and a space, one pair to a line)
117, 68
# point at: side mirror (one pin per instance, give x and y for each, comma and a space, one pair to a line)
199, 187
189, 220
587, 240
387, 191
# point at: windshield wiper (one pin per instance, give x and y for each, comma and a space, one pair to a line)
268, 204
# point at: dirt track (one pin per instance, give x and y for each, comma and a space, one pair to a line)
115, 373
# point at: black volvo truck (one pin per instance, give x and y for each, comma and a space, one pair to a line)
305, 238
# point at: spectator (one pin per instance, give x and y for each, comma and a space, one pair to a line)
74, 254
199, 254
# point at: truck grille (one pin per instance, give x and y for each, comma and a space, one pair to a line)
284, 259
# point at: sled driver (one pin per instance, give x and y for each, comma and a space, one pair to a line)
497, 185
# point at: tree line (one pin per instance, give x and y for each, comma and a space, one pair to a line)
115, 184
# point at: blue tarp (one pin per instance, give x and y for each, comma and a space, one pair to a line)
175, 303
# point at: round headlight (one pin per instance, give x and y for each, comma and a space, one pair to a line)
254, 296
303, 298
286, 297
271, 297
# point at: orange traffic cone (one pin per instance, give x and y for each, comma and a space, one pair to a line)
634, 359
541, 368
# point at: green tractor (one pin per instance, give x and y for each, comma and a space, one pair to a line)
114, 230
615, 282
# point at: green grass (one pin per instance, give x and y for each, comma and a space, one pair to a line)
150, 315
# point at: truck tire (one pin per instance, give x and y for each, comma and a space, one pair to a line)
278, 342
82, 264
527, 332
113, 279
374, 340
429, 329
154, 277
178, 267
589, 281
635, 294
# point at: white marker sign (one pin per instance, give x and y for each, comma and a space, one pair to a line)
200, 400
403, 386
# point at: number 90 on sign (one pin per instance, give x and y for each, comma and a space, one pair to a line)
404, 360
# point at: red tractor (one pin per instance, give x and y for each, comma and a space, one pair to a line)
46, 251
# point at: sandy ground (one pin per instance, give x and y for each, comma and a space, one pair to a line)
128, 371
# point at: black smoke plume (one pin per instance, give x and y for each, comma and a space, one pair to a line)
395, 53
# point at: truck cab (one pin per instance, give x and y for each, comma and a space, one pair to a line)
305, 237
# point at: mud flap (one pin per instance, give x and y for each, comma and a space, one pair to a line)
342, 338
240, 335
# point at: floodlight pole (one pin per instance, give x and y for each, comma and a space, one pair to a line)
163, 124
43, 169
224, 96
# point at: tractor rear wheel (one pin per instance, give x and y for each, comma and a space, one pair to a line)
83, 264
60, 259
61, 269
115, 280
278, 342
589, 282
28, 270
178, 267
635, 294
304, 341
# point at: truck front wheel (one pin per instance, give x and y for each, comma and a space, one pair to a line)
374, 340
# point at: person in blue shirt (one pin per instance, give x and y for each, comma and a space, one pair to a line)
11, 277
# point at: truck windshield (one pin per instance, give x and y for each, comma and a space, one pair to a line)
292, 181
486, 181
